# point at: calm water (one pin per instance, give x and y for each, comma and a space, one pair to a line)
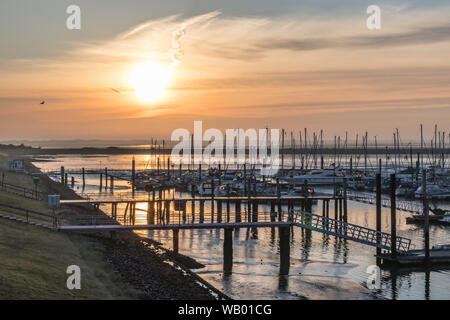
321, 266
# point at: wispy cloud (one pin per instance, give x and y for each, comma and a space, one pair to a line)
421, 36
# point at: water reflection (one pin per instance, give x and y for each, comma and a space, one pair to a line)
256, 252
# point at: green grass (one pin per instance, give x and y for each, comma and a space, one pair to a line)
34, 260
33, 264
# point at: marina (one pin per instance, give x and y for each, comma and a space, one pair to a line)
218, 212
219, 158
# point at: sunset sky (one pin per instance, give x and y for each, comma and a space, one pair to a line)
284, 64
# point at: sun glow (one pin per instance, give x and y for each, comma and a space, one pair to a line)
150, 80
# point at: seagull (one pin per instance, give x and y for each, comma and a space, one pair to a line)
43, 102
116, 91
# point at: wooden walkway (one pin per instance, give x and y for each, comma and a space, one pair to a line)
300, 219
145, 198
191, 226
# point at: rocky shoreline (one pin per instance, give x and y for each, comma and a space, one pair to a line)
156, 272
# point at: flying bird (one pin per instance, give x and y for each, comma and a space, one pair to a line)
116, 91
43, 102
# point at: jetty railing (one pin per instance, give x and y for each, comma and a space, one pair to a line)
348, 231
408, 206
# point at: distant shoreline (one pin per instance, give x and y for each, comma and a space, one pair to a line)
24, 150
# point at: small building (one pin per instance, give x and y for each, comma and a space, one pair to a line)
17, 165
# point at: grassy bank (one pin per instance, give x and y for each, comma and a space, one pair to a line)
34, 260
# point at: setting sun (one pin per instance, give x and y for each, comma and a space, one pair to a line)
149, 80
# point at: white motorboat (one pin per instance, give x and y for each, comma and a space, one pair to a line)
434, 191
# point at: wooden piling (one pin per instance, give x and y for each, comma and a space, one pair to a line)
345, 200
62, 175
219, 211
426, 215
336, 209
150, 212
393, 220
167, 210
237, 211
202, 211
106, 178
212, 200
133, 175
83, 177
228, 251
378, 218
284, 233
175, 240
255, 211
351, 165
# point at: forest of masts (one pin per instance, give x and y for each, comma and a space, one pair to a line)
310, 150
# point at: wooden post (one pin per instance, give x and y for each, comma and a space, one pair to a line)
133, 175
345, 200
175, 240
255, 211
336, 209
168, 167
284, 233
228, 251
426, 215
62, 175
106, 178
202, 211
111, 186
378, 212
167, 210
323, 208
328, 208
101, 181
83, 177
212, 199
237, 209
393, 220
219, 211
72, 182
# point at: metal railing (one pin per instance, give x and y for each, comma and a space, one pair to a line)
349, 231
408, 206
22, 191
27, 216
